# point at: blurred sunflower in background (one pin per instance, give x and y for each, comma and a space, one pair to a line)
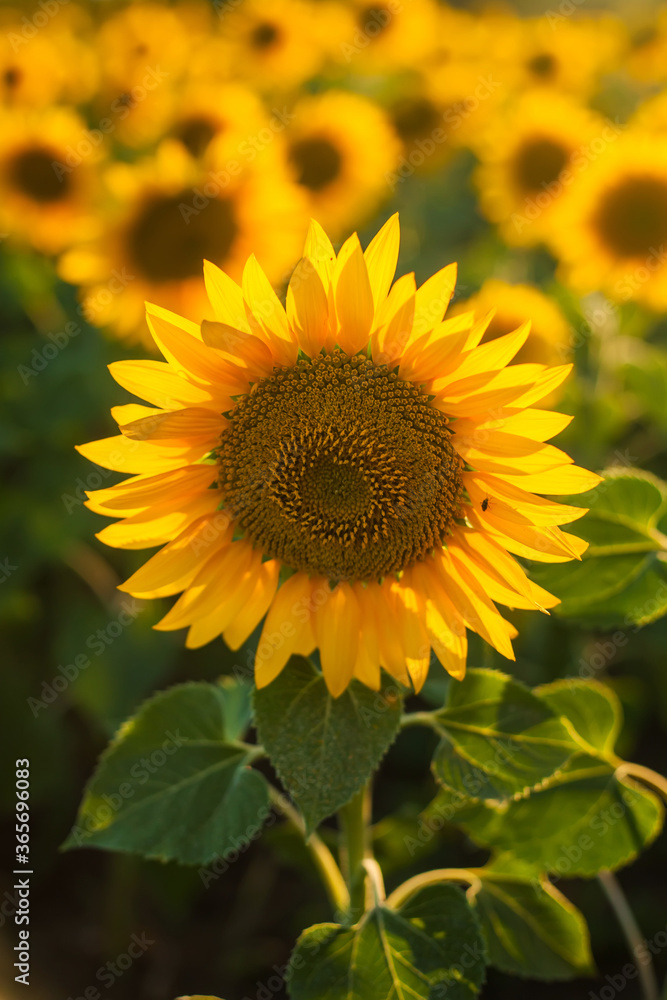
229, 112
50, 65
340, 148
175, 213
529, 157
48, 178
612, 225
646, 47
351, 453
556, 51
389, 35
276, 44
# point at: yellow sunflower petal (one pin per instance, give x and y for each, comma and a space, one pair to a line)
381, 257
145, 491
492, 356
133, 411
389, 338
158, 383
320, 251
266, 313
538, 425
367, 663
175, 566
258, 603
433, 298
546, 383
479, 613
483, 486
410, 607
509, 453
569, 479
391, 649
158, 524
423, 362
288, 628
188, 425
542, 543
209, 626
353, 297
500, 565
215, 585
191, 356
496, 589
124, 455
337, 628
307, 307
236, 345
226, 297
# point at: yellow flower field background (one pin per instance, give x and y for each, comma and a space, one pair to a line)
139, 139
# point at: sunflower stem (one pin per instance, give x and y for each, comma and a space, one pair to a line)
323, 859
633, 935
354, 821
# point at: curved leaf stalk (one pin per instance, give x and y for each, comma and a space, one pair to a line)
633, 935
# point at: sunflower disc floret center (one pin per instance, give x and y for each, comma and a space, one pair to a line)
339, 467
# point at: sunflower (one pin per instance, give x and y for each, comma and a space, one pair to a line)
230, 111
646, 49
47, 177
513, 305
274, 44
169, 212
341, 150
138, 38
144, 54
53, 64
611, 231
350, 466
531, 155
556, 51
388, 35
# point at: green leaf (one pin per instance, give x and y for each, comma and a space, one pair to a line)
622, 578
236, 707
582, 822
172, 785
324, 749
499, 739
531, 929
429, 948
592, 709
